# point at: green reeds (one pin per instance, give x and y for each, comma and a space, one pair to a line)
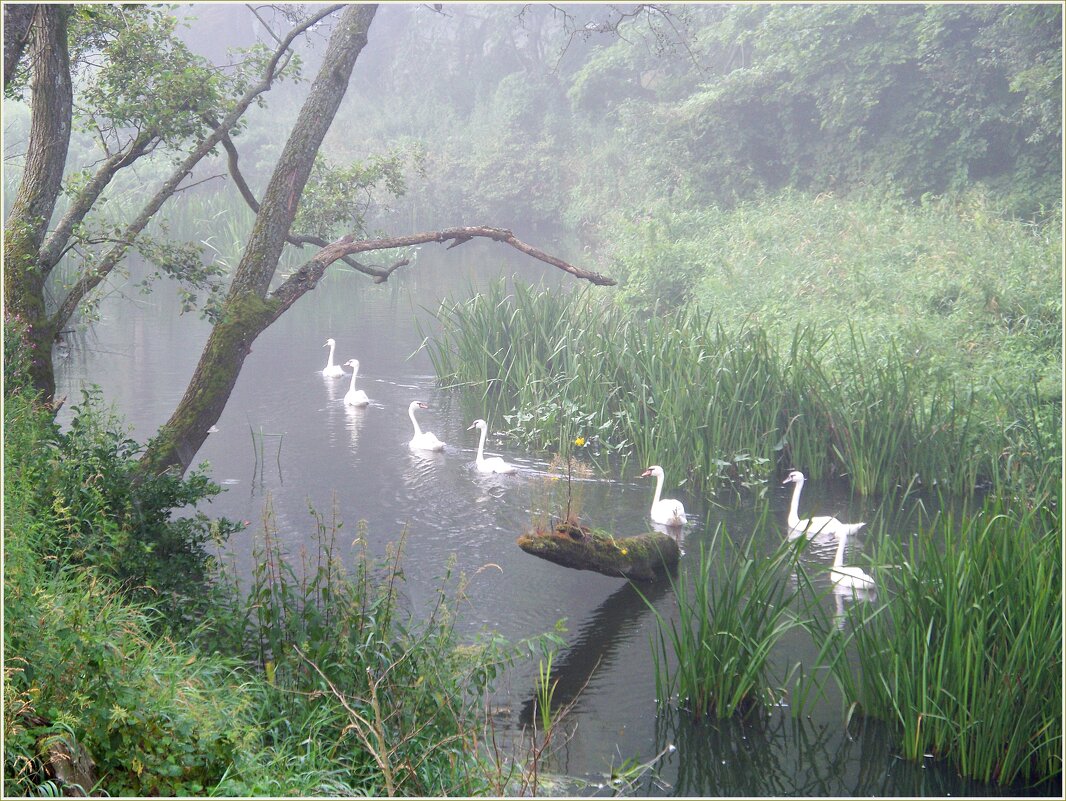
717, 407
715, 657
966, 654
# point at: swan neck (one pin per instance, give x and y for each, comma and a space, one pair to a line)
481, 445
354, 373
329, 362
411, 414
658, 488
793, 509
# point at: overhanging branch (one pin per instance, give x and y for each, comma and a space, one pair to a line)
307, 277
457, 236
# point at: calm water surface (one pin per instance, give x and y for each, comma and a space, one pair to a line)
287, 443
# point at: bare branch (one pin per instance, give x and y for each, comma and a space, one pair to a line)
456, 236
306, 278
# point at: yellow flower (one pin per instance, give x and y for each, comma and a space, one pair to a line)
624, 551
579, 441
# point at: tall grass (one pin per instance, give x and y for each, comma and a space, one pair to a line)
722, 408
715, 657
313, 681
965, 656
360, 696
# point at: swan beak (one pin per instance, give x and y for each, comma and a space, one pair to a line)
645, 474
472, 426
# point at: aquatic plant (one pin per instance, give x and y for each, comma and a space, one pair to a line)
722, 409
732, 608
965, 654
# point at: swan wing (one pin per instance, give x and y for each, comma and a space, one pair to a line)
669, 513
426, 441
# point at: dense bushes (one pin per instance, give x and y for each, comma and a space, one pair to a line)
84, 662
951, 281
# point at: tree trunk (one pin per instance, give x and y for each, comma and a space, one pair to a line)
250, 307
31, 212
17, 20
641, 558
247, 311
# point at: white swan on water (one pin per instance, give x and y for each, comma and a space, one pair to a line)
666, 512
815, 525
331, 370
422, 440
494, 464
850, 577
355, 397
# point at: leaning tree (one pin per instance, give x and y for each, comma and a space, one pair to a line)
201, 114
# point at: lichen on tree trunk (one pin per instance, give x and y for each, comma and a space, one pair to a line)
641, 558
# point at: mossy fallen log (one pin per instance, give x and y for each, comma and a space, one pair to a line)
642, 558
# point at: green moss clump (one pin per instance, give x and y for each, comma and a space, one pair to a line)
641, 558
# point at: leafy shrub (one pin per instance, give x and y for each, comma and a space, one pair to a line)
105, 514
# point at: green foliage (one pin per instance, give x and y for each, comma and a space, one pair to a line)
313, 682
359, 696
965, 655
92, 508
18, 354
951, 282
715, 657
338, 199
142, 77
831, 403
184, 263
832, 98
81, 662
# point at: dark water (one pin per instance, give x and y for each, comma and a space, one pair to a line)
287, 442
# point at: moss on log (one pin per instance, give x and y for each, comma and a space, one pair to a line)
641, 558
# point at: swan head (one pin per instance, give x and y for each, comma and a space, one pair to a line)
330, 343
417, 405
795, 477
353, 363
478, 424
654, 470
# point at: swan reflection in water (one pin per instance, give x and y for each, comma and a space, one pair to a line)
841, 594
354, 417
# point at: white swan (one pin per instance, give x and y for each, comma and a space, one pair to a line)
422, 440
494, 464
331, 370
355, 397
853, 578
815, 525
666, 512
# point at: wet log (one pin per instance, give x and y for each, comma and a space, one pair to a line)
641, 558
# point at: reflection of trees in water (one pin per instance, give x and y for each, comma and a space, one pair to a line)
774, 754
597, 642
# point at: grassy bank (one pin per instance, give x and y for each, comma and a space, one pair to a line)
126, 644
722, 407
